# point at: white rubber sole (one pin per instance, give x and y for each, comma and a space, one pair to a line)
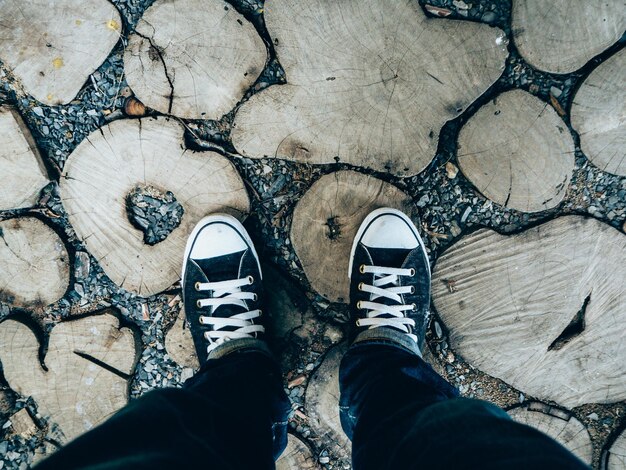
226, 219
371, 216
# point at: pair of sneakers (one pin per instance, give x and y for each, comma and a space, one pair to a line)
389, 282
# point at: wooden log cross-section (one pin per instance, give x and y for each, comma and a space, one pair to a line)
616, 454
34, 267
22, 172
145, 156
557, 424
326, 219
297, 456
88, 362
599, 115
192, 58
542, 310
53, 47
518, 152
370, 83
322, 404
561, 36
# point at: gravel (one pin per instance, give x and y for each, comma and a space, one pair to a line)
449, 207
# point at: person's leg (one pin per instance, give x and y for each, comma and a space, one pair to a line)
397, 410
233, 413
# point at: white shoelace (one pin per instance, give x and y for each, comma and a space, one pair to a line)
228, 293
393, 314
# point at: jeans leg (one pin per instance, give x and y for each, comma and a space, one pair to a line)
231, 415
400, 414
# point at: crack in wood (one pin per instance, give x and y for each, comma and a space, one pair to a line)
575, 327
102, 364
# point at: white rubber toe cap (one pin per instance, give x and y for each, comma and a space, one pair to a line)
389, 230
217, 239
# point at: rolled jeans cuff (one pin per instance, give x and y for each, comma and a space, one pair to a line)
235, 345
391, 336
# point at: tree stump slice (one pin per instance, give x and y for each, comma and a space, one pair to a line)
110, 163
540, 310
76, 391
559, 425
53, 47
179, 344
297, 456
378, 102
35, 269
192, 58
22, 172
518, 152
599, 115
563, 35
325, 222
616, 458
322, 404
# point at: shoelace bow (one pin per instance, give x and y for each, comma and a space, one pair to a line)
379, 314
228, 293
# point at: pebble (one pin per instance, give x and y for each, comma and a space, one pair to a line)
324, 459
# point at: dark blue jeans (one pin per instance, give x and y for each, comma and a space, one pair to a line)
233, 414
400, 414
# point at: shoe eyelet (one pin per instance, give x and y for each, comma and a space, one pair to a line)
360, 286
358, 305
412, 290
200, 320
198, 304
197, 286
414, 307
250, 280
255, 298
362, 269
412, 273
260, 312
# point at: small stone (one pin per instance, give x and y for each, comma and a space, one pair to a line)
22, 424
38, 111
489, 17
556, 92
438, 331
521, 398
593, 416
451, 170
324, 459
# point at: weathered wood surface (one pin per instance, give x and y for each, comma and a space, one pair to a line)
599, 115
518, 152
22, 424
297, 456
76, 392
616, 458
322, 403
542, 310
179, 343
53, 47
34, 263
557, 424
368, 82
110, 163
192, 58
22, 173
563, 35
326, 219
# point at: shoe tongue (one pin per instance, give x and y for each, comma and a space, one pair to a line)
221, 268
388, 257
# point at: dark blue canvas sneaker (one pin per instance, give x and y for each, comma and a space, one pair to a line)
221, 284
390, 280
